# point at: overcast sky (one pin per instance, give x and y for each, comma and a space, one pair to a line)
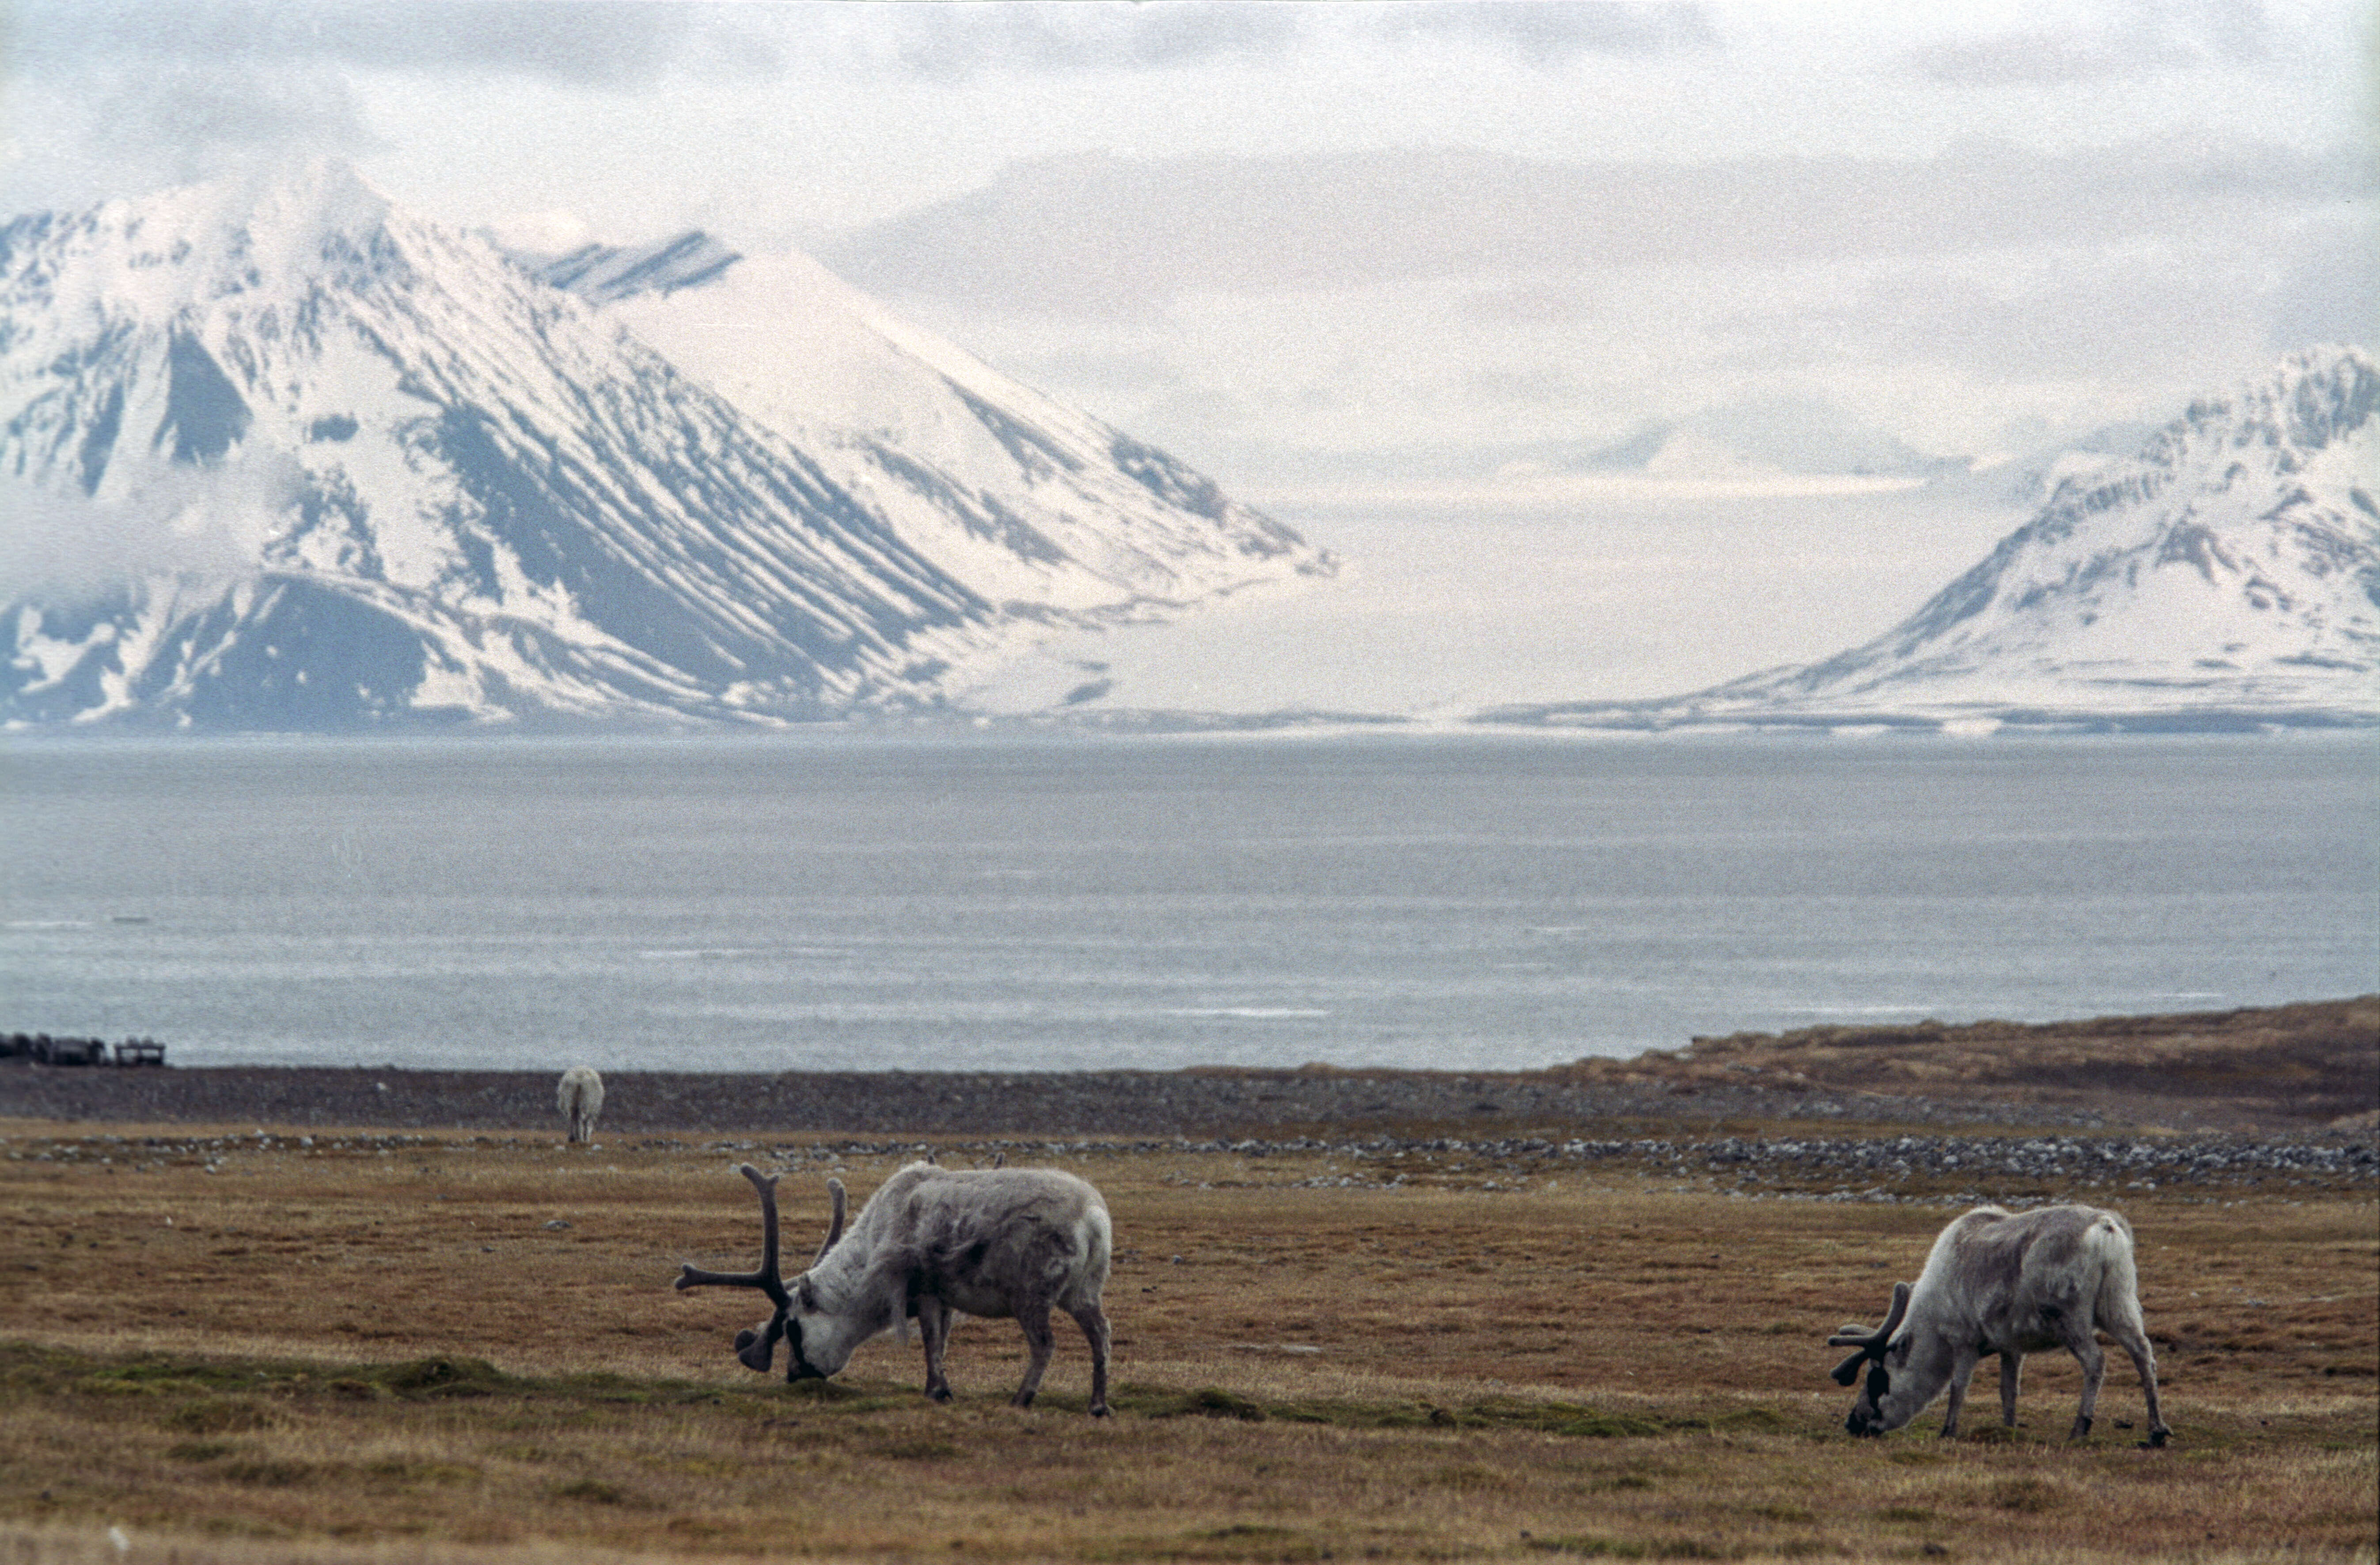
1311, 244
1348, 255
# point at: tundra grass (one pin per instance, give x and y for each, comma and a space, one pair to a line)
381, 1348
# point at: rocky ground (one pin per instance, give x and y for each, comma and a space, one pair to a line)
2312, 1068
1102, 1103
1958, 1169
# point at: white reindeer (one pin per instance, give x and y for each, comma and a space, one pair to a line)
935, 1243
580, 1098
2008, 1285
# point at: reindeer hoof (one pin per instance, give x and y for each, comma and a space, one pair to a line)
2081, 1430
1021, 1399
938, 1393
2156, 1439
1101, 1410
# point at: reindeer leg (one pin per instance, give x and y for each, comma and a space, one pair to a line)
2012, 1371
1963, 1369
1094, 1322
2085, 1349
1033, 1318
934, 1329
2135, 1342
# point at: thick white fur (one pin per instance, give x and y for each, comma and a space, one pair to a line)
580, 1098
1998, 1283
981, 1242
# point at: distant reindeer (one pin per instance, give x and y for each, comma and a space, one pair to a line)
936, 1243
580, 1098
1998, 1283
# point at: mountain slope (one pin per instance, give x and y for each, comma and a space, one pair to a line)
1026, 499
350, 468
2228, 571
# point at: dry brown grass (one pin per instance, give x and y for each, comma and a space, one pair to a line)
2315, 1063
385, 1353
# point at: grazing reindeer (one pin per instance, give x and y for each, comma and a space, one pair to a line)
2008, 1285
580, 1098
935, 1243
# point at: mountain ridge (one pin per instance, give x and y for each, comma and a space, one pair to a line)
991, 478
433, 488
2224, 573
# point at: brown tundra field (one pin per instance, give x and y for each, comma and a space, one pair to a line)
1569, 1314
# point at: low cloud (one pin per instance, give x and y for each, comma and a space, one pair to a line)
124, 129
2329, 290
631, 44
2167, 309
61, 547
116, 97
615, 43
2132, 41
1094, 234
195, 121
954, 43
1547, 33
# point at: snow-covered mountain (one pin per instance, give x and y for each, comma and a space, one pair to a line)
605, 272
285, 456
1780, 437
2228, 571
1030, 502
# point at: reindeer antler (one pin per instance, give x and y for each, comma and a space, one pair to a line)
1871, 1344
767, 1278
834, 1229
757, 1346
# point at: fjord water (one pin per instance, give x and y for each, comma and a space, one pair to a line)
1065, 902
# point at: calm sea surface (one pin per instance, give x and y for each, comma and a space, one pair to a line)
845, 901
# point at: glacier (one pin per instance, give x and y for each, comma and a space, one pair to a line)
307, 462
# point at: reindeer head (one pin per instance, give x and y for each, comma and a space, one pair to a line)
757, 1346
1879, 1352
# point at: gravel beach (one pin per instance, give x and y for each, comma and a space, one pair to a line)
2311, 1066
1098, 1103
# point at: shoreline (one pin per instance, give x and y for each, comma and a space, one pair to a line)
1198, 1103
1195, 1102
2311, 1066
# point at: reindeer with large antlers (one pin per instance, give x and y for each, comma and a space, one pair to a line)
934, 1243
1996, 1283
